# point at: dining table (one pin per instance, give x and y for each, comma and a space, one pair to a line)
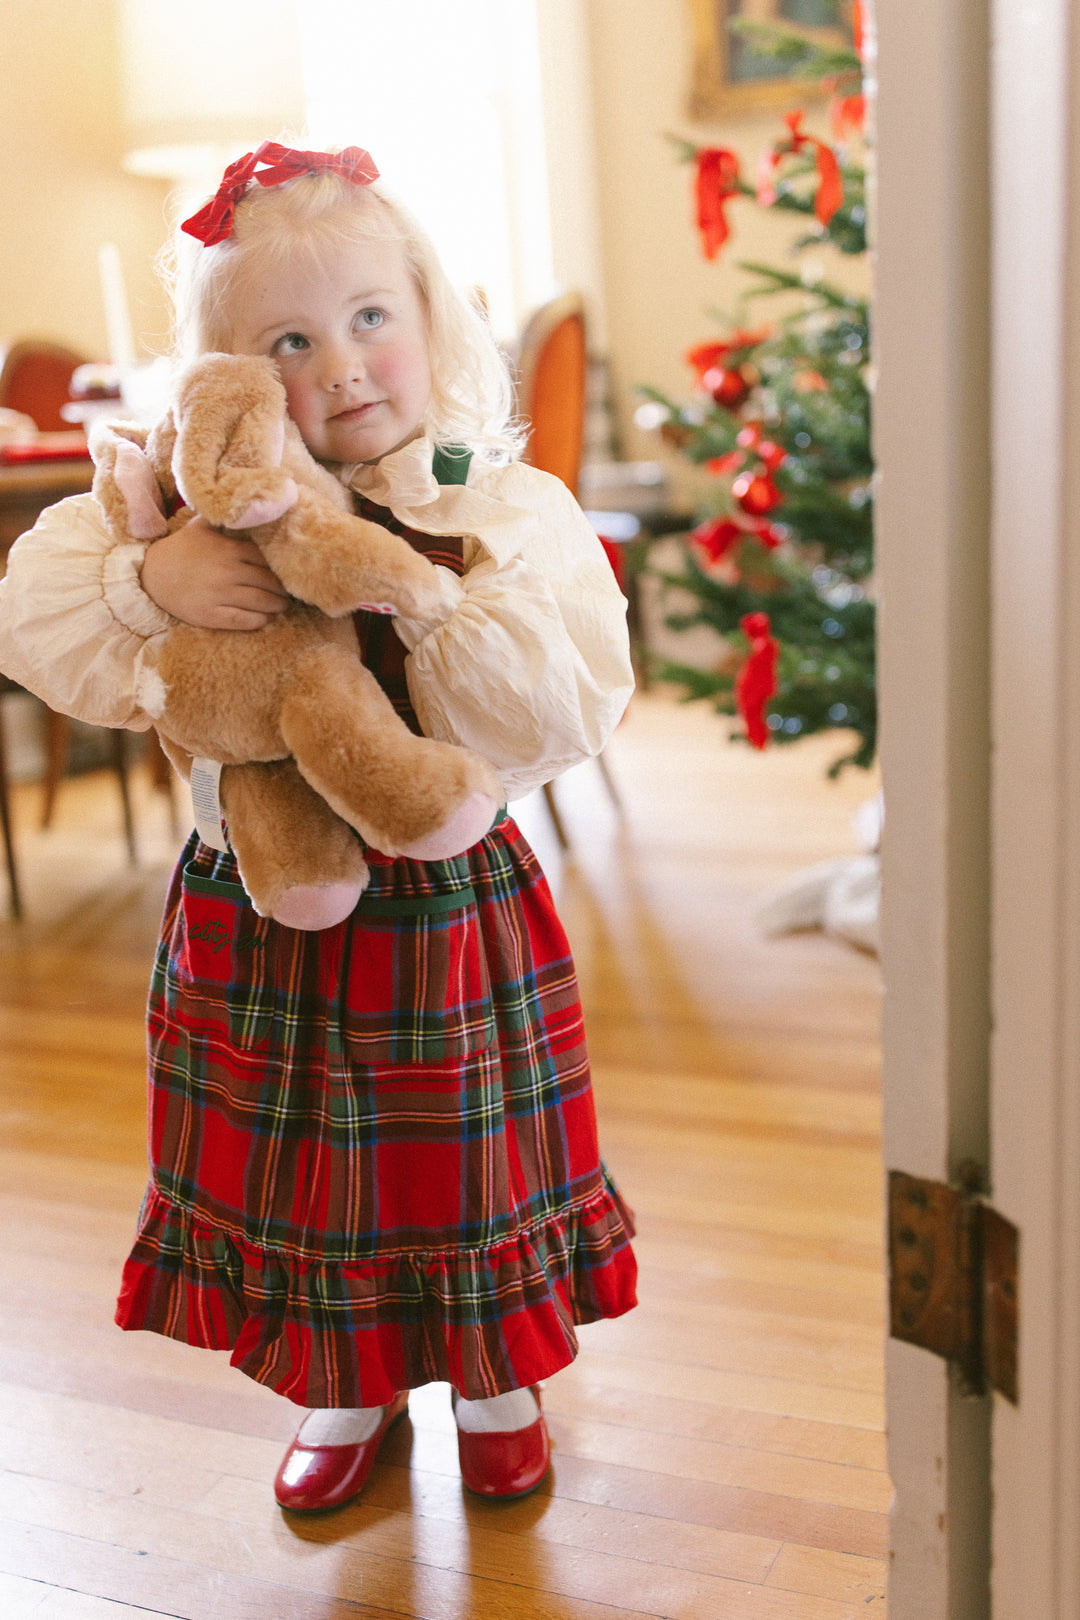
28, 487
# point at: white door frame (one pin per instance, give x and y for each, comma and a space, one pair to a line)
980, 671
1035, 1074
932, 443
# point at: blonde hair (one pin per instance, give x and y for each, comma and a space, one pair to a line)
319, 216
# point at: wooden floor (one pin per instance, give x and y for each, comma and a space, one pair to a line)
718, 1452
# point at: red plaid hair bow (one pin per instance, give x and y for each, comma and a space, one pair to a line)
214, 222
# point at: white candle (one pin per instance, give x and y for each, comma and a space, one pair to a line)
117, 320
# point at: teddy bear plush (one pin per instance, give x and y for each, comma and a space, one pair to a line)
312, 749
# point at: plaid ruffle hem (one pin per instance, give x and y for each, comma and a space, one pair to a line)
373, 1149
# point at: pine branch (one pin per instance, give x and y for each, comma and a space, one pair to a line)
805, 58
846, 229
785, 281
685, 151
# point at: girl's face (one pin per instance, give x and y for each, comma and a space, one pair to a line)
350, 343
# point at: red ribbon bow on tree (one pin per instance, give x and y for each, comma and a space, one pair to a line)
847, 115
717, 181
718, 537
830, 191
708, 357
755, 683
214, 222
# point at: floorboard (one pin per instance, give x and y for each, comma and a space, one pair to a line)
719, 1452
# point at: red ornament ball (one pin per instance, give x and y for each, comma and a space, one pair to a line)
729, 387
756, 493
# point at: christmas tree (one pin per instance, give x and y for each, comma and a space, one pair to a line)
781, 559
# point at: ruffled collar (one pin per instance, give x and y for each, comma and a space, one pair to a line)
403, 477
404, 482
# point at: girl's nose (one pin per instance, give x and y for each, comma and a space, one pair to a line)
342, 364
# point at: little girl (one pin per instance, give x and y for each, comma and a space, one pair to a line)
373, 1148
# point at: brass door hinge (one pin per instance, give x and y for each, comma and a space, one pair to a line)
953, 1280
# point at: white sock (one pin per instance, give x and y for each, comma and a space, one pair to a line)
502, 1414
340, 1425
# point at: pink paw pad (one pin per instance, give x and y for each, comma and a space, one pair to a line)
469, 823
312, 906
265, 509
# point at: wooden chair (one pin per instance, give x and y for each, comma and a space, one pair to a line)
35, 378
57, 749
553, 365
5, 811
57, 741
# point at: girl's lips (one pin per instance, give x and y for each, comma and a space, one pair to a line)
355, 413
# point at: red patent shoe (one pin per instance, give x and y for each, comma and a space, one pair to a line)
312, 1478
506, 1465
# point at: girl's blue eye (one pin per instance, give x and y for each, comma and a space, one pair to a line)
291, 343
370, 318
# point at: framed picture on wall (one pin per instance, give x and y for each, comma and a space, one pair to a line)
731, 78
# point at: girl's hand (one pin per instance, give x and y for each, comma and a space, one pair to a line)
211, 580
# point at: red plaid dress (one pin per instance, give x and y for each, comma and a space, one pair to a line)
373, 1149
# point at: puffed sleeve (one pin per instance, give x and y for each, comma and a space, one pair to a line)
528, 661
76, 627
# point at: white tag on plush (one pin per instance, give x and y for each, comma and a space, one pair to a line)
206, 801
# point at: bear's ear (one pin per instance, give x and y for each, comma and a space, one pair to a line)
230, 429
137, 485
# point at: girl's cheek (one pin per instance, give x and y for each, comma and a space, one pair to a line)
390, 368
406, 366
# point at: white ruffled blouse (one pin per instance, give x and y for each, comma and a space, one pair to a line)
526, 660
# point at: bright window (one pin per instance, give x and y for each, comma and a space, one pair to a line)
445, 94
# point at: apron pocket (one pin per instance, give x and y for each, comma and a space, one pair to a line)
222, 974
